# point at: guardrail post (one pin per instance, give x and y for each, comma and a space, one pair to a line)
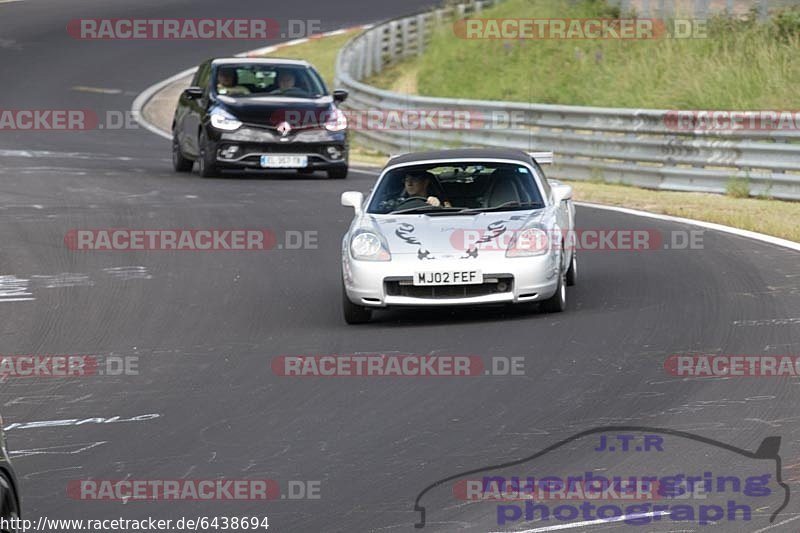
701, 9
763, 10
377, 51
369, 44
438, 16
422, 30
391, 47
405, 39
361, 60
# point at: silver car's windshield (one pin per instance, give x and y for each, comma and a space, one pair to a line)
456, 188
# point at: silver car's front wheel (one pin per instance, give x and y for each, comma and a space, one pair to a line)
354, 314
558, 302
572, 273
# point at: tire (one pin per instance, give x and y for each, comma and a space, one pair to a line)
338, 173
206, 162
9, 501
572, 273
354, 314
179, 162
558, 302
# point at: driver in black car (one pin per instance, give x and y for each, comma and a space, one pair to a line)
285, 82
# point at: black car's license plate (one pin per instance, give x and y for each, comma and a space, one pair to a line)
284, 161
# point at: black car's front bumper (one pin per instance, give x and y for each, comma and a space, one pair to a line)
244, 147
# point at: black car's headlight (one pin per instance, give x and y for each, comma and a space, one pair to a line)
336, 120
222, 120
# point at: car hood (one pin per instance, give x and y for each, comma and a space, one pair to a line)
300, 113
454, 236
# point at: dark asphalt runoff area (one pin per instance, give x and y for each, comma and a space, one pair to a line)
205, 403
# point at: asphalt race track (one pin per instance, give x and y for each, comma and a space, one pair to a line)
205, 326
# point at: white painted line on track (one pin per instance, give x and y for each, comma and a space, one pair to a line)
147, 94
599, 521
97, 90
364, 171
709, 225
776, 525
38, 154
768, 322
79, 422
67, 449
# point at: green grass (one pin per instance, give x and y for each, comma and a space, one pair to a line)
740, 65
773, 217
738, 188
319, 52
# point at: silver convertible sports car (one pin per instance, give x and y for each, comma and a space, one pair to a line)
459, 227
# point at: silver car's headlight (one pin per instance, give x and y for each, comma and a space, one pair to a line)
529, 242
222, 120
368, 246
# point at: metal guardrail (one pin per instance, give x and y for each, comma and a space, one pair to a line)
618, 145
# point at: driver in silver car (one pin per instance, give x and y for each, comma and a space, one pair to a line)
417, 184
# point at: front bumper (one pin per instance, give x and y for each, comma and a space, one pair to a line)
324, 149
388, 283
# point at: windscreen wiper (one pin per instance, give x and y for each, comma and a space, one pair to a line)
426, 209
516, 205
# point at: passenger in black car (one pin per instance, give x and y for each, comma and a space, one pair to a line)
228, 83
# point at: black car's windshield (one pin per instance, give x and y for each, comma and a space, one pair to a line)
297, 81
461, 188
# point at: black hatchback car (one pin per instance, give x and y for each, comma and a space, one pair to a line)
260, 114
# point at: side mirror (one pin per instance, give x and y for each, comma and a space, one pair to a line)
561, 191
192, 93
353, 199
340, 96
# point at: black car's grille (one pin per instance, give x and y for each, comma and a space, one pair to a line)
498, 284
274, 127
284, 148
